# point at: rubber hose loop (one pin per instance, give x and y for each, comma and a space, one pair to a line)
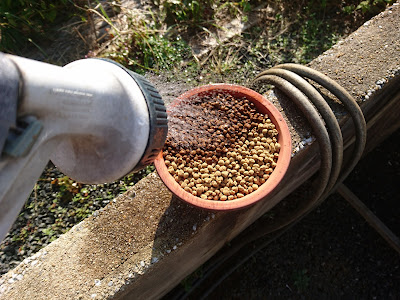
348, 102
326, 112
303, 103
293, 87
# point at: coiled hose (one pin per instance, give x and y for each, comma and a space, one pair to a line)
291, 80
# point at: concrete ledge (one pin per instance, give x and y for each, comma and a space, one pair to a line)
146, 241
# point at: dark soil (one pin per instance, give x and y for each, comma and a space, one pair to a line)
333, 252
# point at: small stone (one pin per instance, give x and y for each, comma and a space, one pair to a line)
142, 263
97, 282
110, 283
154, 260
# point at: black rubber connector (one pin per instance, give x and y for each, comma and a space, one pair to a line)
158, 120
157, 115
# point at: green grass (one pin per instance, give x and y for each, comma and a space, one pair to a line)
24, 22
145, 49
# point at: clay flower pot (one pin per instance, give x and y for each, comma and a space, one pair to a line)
264, 190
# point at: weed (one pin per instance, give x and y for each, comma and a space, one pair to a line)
301, 280
146, 48
368, 6
24, 21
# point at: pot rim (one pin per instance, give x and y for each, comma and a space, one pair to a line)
284, 139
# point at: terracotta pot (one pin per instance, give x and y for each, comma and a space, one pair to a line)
263, 106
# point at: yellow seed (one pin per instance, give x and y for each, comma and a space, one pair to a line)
272, 147
226, 191
199, 190
223, 198
230, 197
240, 195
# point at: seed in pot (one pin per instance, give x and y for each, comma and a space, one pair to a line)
232, 141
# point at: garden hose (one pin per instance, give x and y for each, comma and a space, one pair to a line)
290, 79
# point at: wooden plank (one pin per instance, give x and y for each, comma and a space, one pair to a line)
370, 217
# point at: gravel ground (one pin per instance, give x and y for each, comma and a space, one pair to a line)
55, 205
333, 252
